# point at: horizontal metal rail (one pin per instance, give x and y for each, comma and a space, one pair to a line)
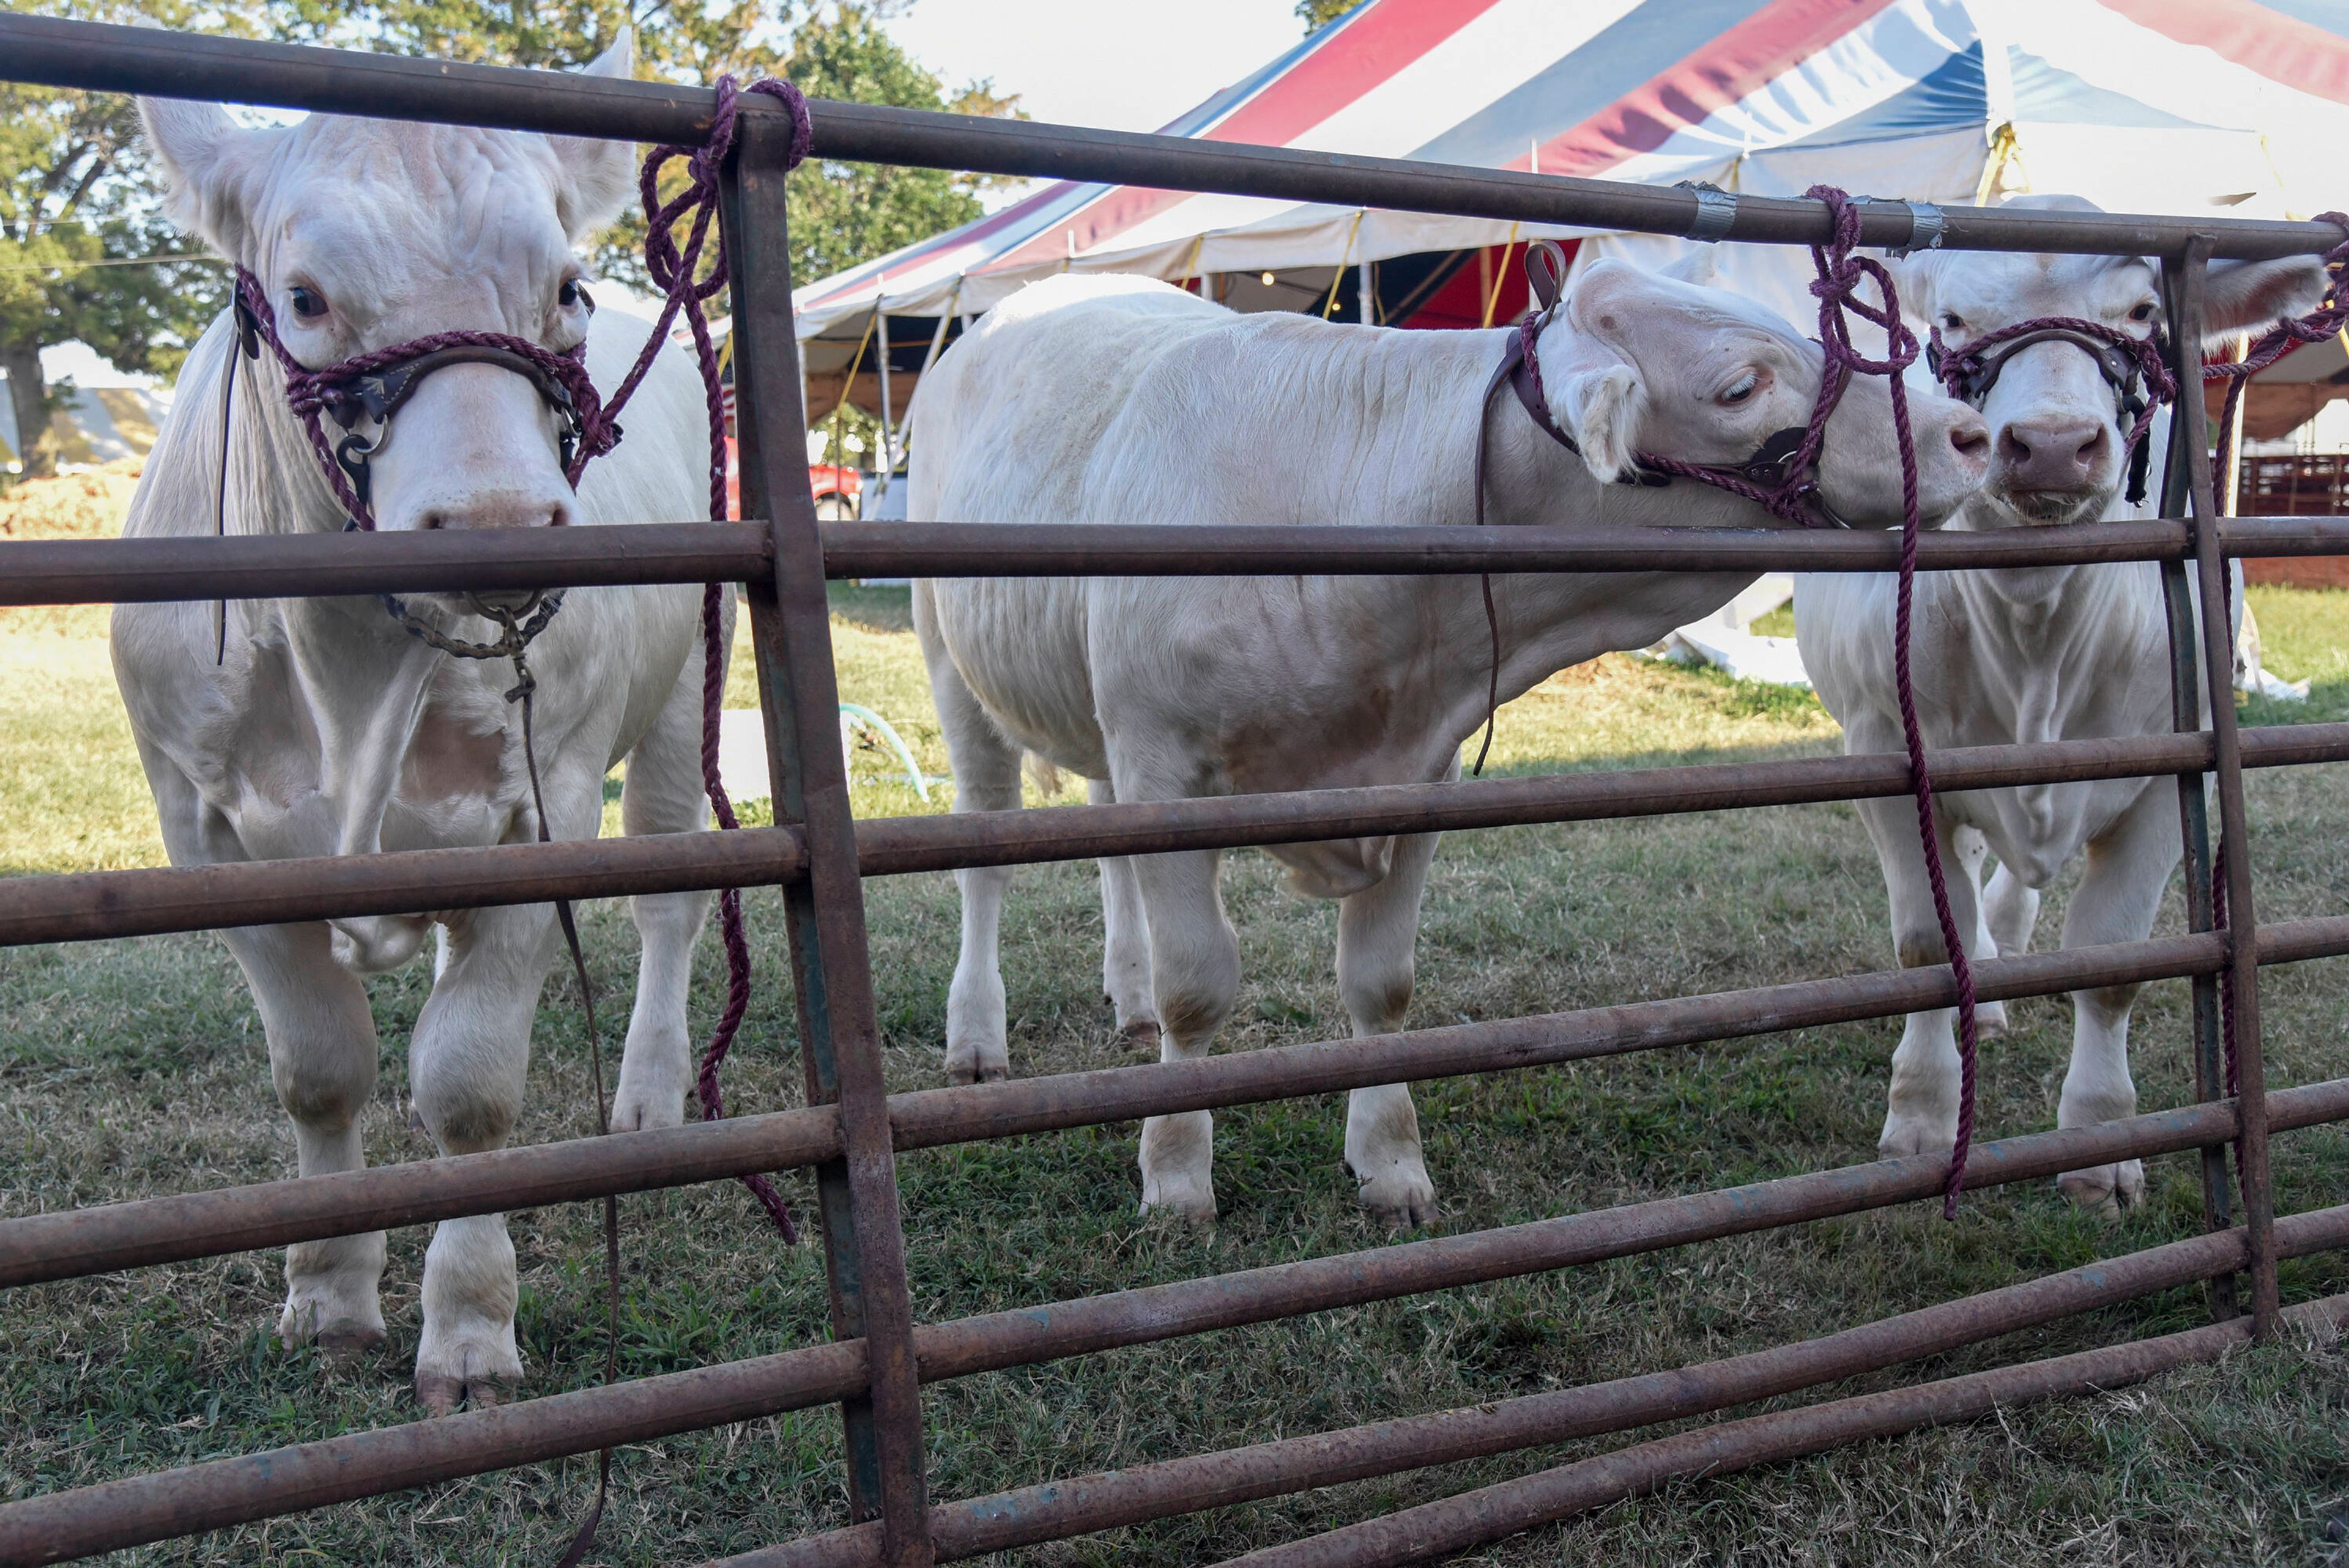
292, 565
147, 570
120, 1513
1082, 1505
84, 906
1137, 549
1463, 1522
107, 59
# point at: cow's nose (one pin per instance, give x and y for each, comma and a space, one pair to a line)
1970, 438
502, 509
2053, 454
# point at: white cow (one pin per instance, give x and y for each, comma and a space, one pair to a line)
330, 731
1120, 399
2038, 655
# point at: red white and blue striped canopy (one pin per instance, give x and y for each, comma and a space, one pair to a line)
2174, 106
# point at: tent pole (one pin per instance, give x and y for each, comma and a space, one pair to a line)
1365, 288
888, 454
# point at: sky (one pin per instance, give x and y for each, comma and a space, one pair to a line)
1122, 65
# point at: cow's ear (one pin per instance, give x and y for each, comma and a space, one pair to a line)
2244, 296
598, 176
1916, 277
1594, 395
1701, 265
211, 165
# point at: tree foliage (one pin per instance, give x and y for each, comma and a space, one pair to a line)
85, 253
1318, 14
76, 184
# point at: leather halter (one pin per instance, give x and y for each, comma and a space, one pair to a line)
2120, 357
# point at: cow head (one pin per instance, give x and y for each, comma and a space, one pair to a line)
2055, 417
368, 233
1636, 362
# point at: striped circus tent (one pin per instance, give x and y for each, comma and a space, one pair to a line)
2177, 106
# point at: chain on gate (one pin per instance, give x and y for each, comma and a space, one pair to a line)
372, 388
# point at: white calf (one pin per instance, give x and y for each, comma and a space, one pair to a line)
1119, 399
2038, 655
329, 731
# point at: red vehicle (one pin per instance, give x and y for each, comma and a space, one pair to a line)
835, 488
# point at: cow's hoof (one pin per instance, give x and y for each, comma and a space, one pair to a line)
474, 1363
1904, 1135
2104, 1189
443, 1395
1400, 1197
342, 1330
342, 1345
1139, 1038
1179, 1200
976, 1064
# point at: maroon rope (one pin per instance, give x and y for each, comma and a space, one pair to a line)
1837, 288
677, 271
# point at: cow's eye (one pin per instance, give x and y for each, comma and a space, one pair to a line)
2144, 311
1952, 321
573, 295
1743, 388
308, 304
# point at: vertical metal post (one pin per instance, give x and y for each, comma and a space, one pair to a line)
2193, 794
2242, 946
863, 1240
888, 444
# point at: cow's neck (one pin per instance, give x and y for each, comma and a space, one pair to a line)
1553, 620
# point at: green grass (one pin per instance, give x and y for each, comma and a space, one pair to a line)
133, 1068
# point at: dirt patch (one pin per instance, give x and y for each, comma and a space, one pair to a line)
87, 505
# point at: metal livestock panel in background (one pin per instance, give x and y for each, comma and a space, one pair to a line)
852, 1130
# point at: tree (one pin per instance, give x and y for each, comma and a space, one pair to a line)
84, 251
1318, 14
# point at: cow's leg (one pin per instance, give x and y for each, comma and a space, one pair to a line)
1377, 931
1989, 1017
1195, 972
1126, 941
987, 778
322, 1058
465, 1067
663, 794
2119, 893
1922, 1113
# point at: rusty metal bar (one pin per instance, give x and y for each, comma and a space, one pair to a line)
86, 906
70, 1243
138, 570
2193, 796
285, 566
83, 906
107, 59
1080, 1505
1136, 550
212, 1496
1460, 1523
2241, 985
840, 1040
115, 1514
